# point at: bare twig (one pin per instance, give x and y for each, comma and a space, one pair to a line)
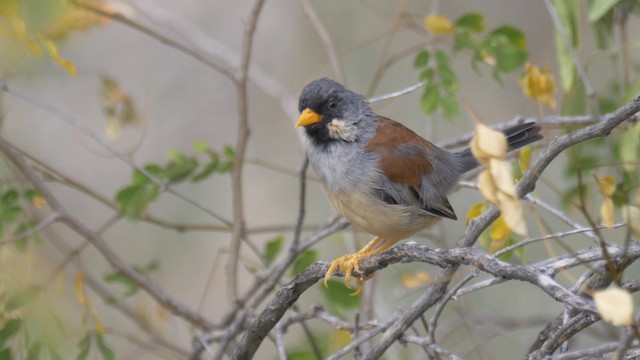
239, 231
327, 41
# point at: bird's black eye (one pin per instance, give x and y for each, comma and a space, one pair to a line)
333, 105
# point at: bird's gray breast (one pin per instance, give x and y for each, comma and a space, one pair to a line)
343, 167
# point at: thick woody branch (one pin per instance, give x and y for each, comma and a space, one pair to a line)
538, 275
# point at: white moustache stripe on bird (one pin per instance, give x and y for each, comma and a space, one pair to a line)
342, 130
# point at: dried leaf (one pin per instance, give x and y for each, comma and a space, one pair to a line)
488, 143
606, 213
614, 305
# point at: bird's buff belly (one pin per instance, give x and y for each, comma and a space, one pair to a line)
390, 222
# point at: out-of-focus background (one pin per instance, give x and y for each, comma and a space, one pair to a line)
153, 103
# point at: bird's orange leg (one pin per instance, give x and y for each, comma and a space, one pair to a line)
349, 262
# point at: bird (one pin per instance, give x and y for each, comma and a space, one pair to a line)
381, 176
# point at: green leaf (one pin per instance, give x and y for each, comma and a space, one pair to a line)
426, 75
180, 168
430, 99
229, 152
463, 40
569, 13
301, 355
630, 148
272, 248
118, 278
303, 261
9, 197
6, 354
509, 34
339, 295
510, 58
201, 146
10, 214
84, 346
447, 76
471, 22
450, 107
34, 350
575, 101
53, 354
585, 162
22, 298
9, 330
107, 353
599, 8
30, 194
507, 256
421, 60
148, 268
133, 199
604, 29
208, 169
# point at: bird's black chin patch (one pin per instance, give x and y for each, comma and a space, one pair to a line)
319, 134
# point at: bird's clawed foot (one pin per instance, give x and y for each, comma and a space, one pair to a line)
350, 262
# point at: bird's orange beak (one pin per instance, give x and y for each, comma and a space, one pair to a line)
308, 117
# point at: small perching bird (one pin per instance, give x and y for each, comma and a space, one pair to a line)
381, 176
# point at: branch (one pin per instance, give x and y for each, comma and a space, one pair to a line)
408, 253
242, 137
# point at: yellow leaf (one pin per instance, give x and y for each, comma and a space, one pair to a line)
78, 19
539, 85
499, 230
340, 338
614, 305
80, 289
631, 216
524, 158
55, 56
438, 25
606, 185
499, 234
411, 281
606, 213
38, 201
97, 322
476, 210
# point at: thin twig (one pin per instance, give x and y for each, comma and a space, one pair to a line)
242, 138
327, 41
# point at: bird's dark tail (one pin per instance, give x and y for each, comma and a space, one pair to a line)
517, 137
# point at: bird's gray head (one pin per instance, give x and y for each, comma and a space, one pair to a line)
332, 113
